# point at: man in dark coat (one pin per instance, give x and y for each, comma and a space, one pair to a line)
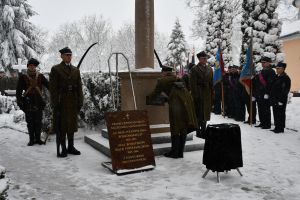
279, 94
29, 99
202, 91
182, 114
265, 79
66, 100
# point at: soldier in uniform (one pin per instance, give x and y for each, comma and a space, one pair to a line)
29, 99
279, 94
182, 114
202, 91
265, 79
66, 100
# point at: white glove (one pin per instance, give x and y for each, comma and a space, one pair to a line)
280, 104
253, 99
266, 96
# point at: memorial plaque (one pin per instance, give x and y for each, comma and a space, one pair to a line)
130, 140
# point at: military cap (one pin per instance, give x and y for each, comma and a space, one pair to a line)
201, 54
235, 67
33, 61
166, 69
281, 64
266, 59
65, 50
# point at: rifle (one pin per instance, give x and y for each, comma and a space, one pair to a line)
160, 63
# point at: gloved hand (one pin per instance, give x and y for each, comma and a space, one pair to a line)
266, 96
280, 104
253, 99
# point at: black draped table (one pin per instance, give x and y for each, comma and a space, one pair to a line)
223, 148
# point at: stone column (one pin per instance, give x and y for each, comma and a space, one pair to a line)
144, 33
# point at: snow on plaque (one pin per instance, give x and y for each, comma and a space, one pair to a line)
130, 141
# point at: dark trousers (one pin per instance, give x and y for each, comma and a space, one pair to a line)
34, 124
253, 111
264, 112
70, 139
279, 116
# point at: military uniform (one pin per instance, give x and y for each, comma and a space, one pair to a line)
29, 99
202, 91
66, 100
265, 79
181, 112
278, 97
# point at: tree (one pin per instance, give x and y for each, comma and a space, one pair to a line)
18, 37
176, 47
261, 20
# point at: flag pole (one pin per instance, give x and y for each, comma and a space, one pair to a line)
251, 73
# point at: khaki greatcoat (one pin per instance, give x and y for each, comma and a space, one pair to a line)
66, 95
201, 83
182, 114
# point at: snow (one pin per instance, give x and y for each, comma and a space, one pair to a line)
271, 169
290, 27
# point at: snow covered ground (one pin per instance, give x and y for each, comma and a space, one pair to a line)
271, 169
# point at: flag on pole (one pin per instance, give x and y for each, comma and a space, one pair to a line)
246, 73
218, 67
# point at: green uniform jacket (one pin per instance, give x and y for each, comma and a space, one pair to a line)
66, 95
182, 114
201, 87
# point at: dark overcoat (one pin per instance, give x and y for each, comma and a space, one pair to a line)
280, 89
66, 96
202, 87
182, 114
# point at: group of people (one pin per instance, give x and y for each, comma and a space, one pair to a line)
193, 97
66, 99
269, 89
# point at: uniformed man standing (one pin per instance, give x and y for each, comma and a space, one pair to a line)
202, 91
182, 114
279, 94
265, 79
29, 99
66, 100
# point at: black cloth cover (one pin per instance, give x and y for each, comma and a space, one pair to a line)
223, 147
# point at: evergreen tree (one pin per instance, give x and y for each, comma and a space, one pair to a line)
176, 47
261, 20
18, 37
219, 29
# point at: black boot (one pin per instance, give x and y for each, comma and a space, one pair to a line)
63, 153
38, 135
71, 148
174, 148
31, 135
182, 145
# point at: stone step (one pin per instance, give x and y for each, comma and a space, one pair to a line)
157, 138
102, 144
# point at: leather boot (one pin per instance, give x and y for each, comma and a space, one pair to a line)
38, 135
174, 148
31, 135
71, 148
63, 153
182, 145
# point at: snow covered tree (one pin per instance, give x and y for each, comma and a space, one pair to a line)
18, 38
176, 47
220, 26
261, 20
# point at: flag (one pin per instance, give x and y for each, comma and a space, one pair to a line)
246, 73
218, 67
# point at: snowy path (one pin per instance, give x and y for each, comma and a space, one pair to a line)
271, 171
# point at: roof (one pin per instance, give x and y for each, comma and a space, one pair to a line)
290, 30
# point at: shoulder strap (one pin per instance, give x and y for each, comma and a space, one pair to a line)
33, 86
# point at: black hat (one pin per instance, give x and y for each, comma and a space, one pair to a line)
235, 67
166, 69
281, 64
266, 59
201, 54
65, 50
33, 61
